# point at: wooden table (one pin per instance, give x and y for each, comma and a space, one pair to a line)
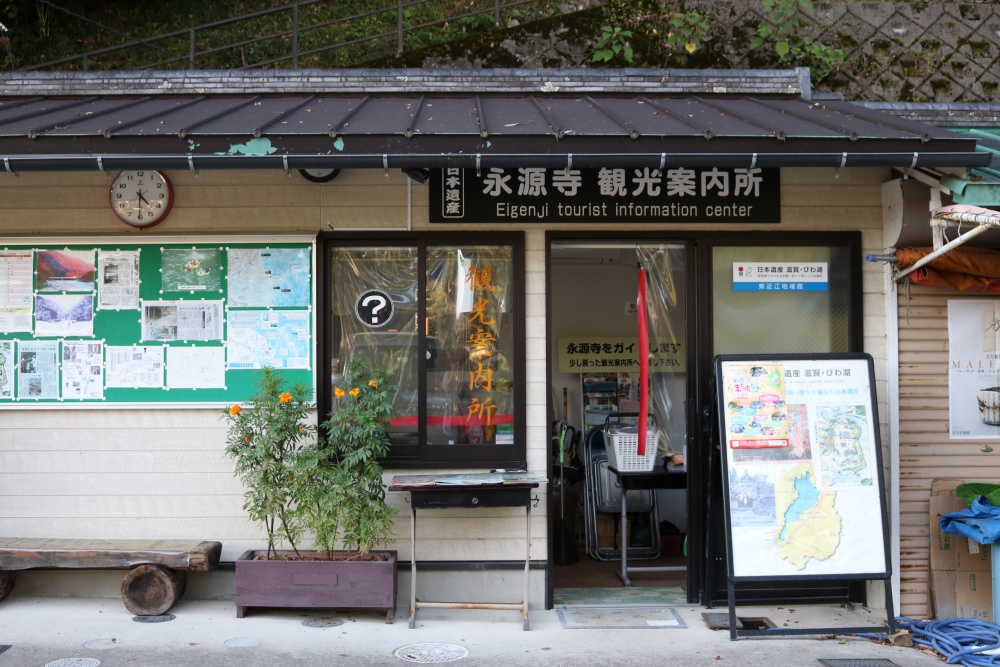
158, 568
441, 496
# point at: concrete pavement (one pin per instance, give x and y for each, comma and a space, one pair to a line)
45, 629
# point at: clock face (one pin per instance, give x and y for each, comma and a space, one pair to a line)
141, 198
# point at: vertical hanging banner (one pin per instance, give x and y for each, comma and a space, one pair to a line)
538, 194
974, 369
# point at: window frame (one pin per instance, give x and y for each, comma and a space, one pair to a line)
423, 455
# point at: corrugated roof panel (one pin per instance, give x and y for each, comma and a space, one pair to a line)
382, 115
448, 116
720, 123
579, 117
514, 116
47, 116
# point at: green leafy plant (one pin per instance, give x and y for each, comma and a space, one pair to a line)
350, 504
688, 29
324, 481
614, 40
782, 30
265, 439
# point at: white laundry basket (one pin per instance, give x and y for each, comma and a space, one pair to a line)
622, 443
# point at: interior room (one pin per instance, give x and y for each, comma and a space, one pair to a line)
594, 347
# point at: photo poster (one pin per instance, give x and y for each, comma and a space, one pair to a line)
802, 487
974, 369
80, 305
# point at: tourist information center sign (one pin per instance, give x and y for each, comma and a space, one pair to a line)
802, 466
536, 194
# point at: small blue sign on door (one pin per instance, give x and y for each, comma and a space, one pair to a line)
780, 277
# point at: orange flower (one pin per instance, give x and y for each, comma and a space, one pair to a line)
235, 410
355, 391
372, 383
339, 392
302, 430
285, 398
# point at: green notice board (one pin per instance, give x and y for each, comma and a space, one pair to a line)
181, 323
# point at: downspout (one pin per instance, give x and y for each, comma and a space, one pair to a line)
892, 401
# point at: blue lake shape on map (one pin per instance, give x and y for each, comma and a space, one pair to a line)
808, 497
262, 277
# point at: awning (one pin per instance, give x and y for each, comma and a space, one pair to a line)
442, 130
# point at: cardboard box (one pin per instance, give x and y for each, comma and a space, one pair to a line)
972, 562
943, 546
942, 586
974, 595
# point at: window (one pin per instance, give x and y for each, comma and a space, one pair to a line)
460, 402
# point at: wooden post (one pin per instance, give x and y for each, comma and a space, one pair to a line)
150, 590
6, 583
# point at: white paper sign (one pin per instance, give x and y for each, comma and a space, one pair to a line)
16, 290
196, 367
974, 369
82, 370
812, 505
118, 280
38, 369
780, 277
182, 320
135, 366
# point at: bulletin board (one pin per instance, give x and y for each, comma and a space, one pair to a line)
154, 322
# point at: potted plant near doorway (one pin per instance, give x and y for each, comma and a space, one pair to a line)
324, 482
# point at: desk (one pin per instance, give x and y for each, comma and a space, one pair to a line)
440, 496
644, 481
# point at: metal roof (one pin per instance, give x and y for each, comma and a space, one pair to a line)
436, 130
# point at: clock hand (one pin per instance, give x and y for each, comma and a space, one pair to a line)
143, 198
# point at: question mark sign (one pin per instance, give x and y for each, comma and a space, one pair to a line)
374, 298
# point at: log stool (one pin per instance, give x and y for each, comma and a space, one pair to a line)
157, 568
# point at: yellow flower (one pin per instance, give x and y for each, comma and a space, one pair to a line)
372, 383
355, 391
339, 392
285, 398
235, 410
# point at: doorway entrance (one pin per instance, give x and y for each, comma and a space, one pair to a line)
674, 541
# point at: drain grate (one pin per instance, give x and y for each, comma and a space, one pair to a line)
162, 618
857, 662
74, 662
242, 642
323, 623
719, 621
427, 653
102, 644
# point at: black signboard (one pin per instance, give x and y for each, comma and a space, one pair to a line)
537, 194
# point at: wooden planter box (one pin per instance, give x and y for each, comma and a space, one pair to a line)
315, 584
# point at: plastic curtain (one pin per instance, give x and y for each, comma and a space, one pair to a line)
665, 318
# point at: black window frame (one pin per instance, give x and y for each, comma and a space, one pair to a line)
423, 455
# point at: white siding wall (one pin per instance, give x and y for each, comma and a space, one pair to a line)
162, 473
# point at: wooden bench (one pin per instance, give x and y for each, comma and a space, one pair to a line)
158, 568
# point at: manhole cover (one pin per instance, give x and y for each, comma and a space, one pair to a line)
425, 653
101, 644
162, 618
323, 623
719, 621
74, 662
242, 641
857, 662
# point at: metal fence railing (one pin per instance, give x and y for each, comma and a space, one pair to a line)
297, 29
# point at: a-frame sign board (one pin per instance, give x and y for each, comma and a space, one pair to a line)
802, 480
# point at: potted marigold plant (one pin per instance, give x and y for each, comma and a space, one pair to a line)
323, 482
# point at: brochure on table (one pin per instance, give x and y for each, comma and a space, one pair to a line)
154, 321
802, 456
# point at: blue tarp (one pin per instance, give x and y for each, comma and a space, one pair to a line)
980, 523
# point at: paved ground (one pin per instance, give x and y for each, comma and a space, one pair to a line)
45, 629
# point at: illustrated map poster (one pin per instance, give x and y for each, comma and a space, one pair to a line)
269, 277
974, 369
801, 468
258, 338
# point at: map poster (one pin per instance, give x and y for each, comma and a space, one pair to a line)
135, 366
269, 277
16, 290
194, 270
83, 370
974, 369
37, 370
258, 338
814, 506
6, 369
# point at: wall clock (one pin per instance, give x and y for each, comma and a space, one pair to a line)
141, 198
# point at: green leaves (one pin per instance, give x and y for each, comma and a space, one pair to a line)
781, 48
688, 29
614, 40
782, 28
